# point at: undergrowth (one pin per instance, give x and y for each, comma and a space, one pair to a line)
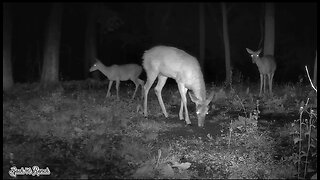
76, 132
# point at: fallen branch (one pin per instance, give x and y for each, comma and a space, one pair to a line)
310, 79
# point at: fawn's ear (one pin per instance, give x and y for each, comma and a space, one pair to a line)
97, 60
193, 98
249, 51
210, 98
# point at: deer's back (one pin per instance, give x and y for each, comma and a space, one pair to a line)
172, 62
125, 72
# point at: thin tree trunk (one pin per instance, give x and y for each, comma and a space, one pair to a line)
147, 17
226, 42
38, 60
50, 68
90, 41
261, 33
269, 29
315, 74
166, 16
29, 60
201, 34
7, 66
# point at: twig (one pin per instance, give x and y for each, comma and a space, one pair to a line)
310, 79
159, 155
230, 130
244, 109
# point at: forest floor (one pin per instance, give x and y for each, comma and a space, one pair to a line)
75, 131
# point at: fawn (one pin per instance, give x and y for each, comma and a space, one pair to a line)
120, 73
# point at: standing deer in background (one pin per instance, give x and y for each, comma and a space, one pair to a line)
266, 66
120, 73
164, 62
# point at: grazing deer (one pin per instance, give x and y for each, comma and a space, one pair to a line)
120, 73
266, 66
164, 62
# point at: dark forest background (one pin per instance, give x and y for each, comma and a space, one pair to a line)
140, 26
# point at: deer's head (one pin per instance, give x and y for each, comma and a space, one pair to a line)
254, 54
95, 66
201, 107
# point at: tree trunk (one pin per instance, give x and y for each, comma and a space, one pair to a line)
156, 17
269, 30
50, 68
226, 42
166, 15
38, 60
261, 21
7, 66
315, 71
147, 17
201, 35
90, 41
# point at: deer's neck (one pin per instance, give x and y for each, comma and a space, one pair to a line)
259, 63
199, 89
104, 69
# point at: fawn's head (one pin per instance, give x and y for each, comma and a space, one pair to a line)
95, 66
201, 107
254, 54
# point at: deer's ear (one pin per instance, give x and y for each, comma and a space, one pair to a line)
259, 51
210, 97
193, 98
249, 51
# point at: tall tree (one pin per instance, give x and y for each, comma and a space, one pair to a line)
50, 68
261, 23
108, 21
315, 74
202, 35
90, 39
156, 20
226, 42
7, 29
269, 30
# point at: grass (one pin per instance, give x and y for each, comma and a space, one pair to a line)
76, 132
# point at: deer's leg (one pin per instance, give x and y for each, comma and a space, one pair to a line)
181, 110
109, 87
261, 84
271, 81
150, 79
161, 82
183, 91
264, 83
117, 87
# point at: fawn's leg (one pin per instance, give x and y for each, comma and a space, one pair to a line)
137, 85
117, 87
141, 82
109, 87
